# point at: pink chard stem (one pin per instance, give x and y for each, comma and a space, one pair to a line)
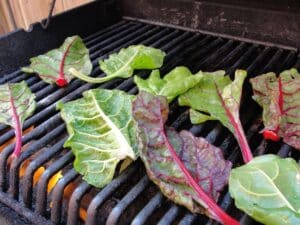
18, 129
220, 215
239, 131
61, 81
273, 134
243, 143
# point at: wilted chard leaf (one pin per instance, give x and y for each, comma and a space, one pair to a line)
16, 104
101, 131
176, 82
53, 67
123, 63
280, 99
187, 169
216, 97
268, 189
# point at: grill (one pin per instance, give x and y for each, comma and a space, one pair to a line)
131, 198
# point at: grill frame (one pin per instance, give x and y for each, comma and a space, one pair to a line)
266, 22
179, 44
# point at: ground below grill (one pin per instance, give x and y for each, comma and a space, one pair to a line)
131, 198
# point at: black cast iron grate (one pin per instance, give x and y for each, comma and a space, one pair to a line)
130, 198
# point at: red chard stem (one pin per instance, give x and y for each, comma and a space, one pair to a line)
18, 129
239, 131
221, 216
61, 81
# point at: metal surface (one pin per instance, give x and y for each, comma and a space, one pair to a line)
271, 22
130, 198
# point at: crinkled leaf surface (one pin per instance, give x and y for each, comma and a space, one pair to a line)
53, 67
166, 153
176, 82
268, 189
216, 97
123, 63
280, 99
17, 103
101, 133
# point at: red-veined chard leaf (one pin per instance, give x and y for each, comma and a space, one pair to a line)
176, 82
17, 103
268, 189
188, 170
102, 132
53, 67
216, 97
123, 63
280, 99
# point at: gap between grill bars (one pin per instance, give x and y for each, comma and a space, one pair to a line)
130, 198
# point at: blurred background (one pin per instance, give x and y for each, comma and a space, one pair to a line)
21, 13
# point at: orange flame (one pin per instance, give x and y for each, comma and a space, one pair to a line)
54, 179
12, 140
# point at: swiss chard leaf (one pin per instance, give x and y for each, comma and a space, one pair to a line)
280, 99
53, 67
101, 131
123, 63
16, 104
216, 97
187, 169
176, 82
268, 189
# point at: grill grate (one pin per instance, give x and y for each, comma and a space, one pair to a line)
130, 198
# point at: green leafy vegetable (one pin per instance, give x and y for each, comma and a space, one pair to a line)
123, 63
188, 169
268, 189
280, 99
53, 67
101, 131
216, 97
176, 82
16, 104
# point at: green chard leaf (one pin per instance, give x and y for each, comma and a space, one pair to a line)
176, 82
16, 104
280, 99
188, 170
53, 67
268, 189
102, 132
216, 97
123, 63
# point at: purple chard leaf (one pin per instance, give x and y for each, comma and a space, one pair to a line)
188, 170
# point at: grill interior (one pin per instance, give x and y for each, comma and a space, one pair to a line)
130, 198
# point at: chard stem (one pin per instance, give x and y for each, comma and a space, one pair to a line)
239, 131
18, 129
220, 215
89, 79
243, 143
